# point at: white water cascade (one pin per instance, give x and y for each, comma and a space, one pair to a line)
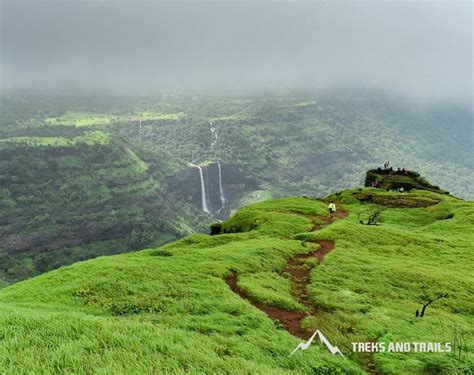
220, 187
203, 189
204, 198
213, 134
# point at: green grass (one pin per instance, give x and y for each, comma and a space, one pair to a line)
79, 119
86, 119
89, 138
159, 116
170, 311
377, 277
271, 289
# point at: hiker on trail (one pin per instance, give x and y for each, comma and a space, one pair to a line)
332, 209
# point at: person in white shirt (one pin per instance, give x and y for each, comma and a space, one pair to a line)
332, 209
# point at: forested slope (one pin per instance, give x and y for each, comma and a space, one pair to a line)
64, 203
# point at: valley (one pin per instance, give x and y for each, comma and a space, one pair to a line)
83, 177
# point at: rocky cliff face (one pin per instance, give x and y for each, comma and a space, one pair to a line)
234, 183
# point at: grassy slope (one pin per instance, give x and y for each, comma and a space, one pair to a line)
372, 285
147, 310
169, 309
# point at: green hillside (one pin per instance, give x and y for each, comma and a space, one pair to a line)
83, 176
174, 309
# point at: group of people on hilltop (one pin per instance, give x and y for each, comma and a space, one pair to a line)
387, 167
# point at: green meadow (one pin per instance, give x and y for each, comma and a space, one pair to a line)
86, 119
79, 119
88, 138
168, 310
159, 116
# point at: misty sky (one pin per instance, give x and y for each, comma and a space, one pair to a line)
422, 48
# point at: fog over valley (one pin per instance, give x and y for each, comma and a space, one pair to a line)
418, 49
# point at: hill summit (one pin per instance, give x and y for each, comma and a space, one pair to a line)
400, 179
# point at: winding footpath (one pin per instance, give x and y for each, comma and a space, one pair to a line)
300, 276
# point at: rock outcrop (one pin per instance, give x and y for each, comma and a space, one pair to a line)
390, 179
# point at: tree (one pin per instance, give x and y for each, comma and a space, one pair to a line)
372, 216
430, 301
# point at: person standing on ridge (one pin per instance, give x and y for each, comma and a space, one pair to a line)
332, 209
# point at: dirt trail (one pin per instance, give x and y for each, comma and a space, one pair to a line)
300, 279
291, 320
368, 361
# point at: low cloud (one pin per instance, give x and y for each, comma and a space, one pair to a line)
420, 49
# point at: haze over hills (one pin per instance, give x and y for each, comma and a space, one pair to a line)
421, 49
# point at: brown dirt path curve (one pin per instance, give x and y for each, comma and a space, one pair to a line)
300, 276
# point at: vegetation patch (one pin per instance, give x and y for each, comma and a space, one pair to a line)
79, 119
160, 253
271, 289
89, 138
396, 200
159, 116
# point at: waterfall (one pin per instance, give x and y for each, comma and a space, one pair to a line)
140, 130
203, 189
204, 198
213, 135
220, 187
